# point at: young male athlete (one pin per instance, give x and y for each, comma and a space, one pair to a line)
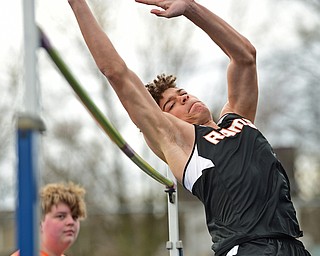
228, 165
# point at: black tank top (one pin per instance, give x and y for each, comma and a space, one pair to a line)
244, 188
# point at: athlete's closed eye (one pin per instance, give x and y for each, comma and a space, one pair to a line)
170, 103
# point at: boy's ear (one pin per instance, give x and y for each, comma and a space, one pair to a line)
40, 226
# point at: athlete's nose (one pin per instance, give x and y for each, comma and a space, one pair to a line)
184, 98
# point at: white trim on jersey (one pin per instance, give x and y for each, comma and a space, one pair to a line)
233, 251
195, 167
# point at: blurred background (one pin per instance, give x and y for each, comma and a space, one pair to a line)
127, 210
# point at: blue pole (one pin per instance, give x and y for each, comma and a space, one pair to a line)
27, 208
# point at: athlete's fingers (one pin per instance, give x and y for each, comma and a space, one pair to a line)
170, 8
158, 12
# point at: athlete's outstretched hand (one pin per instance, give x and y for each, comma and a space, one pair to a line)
171, 8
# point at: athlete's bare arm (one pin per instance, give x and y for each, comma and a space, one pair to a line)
241, 72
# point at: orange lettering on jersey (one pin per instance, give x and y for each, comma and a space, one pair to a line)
248, 122
214, 137
228, 133
236, 126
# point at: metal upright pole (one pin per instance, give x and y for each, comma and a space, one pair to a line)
174, 245
28, 127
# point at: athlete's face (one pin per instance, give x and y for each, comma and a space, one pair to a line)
59, 229
184, 106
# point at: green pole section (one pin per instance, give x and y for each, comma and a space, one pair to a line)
98, 115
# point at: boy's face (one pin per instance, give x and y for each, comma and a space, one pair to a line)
184, 106
59, 229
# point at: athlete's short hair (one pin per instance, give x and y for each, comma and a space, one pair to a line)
159, 85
